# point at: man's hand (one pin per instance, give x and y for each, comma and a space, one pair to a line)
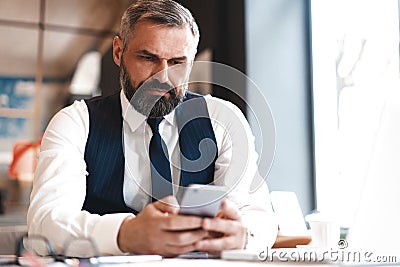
226, 230
158, 229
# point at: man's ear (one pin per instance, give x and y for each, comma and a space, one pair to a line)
118, 47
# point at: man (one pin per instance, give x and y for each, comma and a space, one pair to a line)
95, 174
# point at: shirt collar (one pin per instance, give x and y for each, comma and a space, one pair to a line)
170, 117
135, 119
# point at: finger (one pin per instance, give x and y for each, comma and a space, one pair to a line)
185, 238
168, 204
216, 244
222, 225
229, 210
180, 222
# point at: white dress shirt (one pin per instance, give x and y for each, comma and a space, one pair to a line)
59, 186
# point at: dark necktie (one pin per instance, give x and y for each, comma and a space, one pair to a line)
159, 163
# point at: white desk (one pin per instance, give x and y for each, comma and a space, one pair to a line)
222, 263
215, 262
180, 262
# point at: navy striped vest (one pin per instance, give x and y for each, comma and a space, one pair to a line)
105, 159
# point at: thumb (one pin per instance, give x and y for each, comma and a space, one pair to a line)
167, 204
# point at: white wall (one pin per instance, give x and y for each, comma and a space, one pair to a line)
277, 61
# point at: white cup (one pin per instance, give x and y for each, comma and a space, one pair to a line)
325, 232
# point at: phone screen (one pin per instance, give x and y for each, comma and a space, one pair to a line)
202, 200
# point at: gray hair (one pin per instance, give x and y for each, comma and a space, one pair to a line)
162, 12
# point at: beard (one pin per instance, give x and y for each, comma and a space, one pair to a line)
147, 104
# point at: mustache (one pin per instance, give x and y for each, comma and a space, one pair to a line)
155, 84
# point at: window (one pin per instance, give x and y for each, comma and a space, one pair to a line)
355, 46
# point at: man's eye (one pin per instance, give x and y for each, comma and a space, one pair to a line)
177, 62
148, 58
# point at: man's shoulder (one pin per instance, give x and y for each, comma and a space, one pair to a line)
75, 109
218, 106
215, 107
74, 118
211, 101
81, 106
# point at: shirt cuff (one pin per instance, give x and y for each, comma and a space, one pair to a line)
105, 233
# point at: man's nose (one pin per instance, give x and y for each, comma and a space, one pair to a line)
162, 71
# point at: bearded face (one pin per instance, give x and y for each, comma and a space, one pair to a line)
150, 105
155, 63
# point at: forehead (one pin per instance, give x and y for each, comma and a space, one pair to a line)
163, 41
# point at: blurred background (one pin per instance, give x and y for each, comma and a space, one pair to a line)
329, 70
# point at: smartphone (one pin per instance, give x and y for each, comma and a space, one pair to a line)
202, 200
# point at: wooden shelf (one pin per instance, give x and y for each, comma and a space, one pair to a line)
16, 113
